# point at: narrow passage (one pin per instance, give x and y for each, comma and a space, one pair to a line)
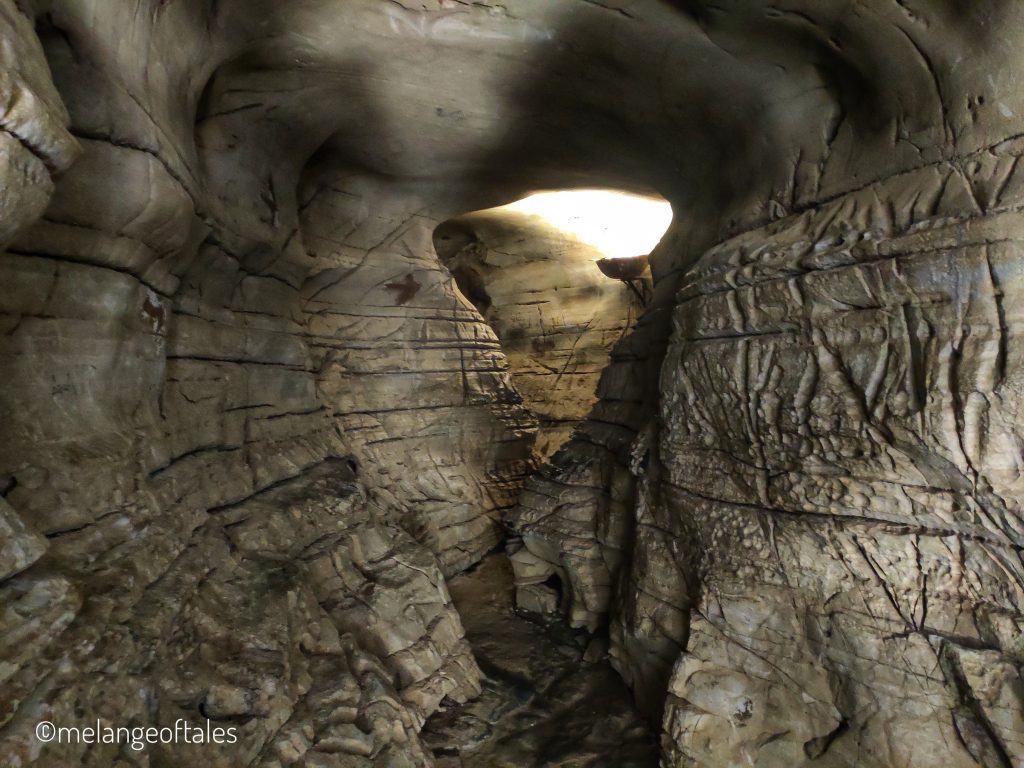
550, 698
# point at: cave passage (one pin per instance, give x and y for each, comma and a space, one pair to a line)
531, 268
550, 697
535, 270
457, 384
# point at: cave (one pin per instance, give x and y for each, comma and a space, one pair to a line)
522, 384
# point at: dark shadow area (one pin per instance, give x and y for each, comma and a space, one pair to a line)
548, 699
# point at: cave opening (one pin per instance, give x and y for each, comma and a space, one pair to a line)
561, 277
554, 583
537, 271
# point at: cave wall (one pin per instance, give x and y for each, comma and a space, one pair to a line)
183, 532
794, 504
414, 377
778, 540
855, 533
556, 315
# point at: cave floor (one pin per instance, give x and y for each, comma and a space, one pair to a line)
543, 705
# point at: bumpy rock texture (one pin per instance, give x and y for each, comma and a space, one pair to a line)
856, 531
251, 424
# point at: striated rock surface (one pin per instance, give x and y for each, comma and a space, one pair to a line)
808, 537
556, 315
794, 505
300, 617
856, 533
161, 369
414, 377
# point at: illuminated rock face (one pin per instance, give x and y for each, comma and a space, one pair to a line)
414, 379
251, 424
556, 315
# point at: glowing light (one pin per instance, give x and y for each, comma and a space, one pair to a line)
617, 224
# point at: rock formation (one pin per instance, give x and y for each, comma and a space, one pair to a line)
253, 420
556, 316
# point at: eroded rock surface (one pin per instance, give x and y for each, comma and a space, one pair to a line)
301, 617
556, 315
414, 377
794, 506
859, 554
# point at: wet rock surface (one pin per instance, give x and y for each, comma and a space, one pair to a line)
550, 698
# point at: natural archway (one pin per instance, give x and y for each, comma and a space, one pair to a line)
531, 268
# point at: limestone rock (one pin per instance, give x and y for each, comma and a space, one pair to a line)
556, 315
854, 537
19, 547
252, 423
536, 598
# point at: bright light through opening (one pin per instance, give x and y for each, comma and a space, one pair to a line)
617, 224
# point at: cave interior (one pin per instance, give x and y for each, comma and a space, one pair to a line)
521, 384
